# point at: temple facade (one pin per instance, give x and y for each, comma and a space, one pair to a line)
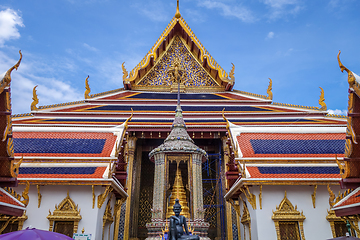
243, 166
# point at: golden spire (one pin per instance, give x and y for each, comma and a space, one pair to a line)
35, 100
87, 87
178, 192
322, 100
177, 14
269, 92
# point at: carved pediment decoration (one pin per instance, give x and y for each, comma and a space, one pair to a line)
286, 212
194, 75
65, 211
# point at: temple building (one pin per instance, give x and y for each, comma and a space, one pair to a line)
243, 167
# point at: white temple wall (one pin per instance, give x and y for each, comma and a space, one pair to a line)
315, 225
92, 219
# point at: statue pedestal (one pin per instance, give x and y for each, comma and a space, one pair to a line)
155, 229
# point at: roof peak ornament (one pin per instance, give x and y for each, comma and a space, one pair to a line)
87, 87
35, 100
351, 77
269, 92
177, 14
5, 81
322, 100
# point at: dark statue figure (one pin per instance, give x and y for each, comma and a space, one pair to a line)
178, 225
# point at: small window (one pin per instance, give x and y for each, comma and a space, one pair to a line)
64, 227
289, 230
341, 229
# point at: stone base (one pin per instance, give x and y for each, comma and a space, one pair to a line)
155, 229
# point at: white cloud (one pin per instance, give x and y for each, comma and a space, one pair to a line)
94, 49
280, 8
270, 35
239, 12
9, 21
337, 112
34, 71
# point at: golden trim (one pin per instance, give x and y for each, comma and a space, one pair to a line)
35, 99
15, 167
268, 91
313, 196
246, 219
322, 100
93, 196
102, 197
236, 206
117, 211
66, 211
331, 196
249, 196
6, 80
39, 195
87, 88
107, 218
287, 212
260, 196
25, 194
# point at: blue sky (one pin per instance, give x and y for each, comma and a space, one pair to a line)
294, 42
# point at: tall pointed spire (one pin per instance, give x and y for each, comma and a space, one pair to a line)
177, 14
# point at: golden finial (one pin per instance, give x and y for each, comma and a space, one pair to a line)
322, 100
269, 92
125, 73
351, 77
87, 87
231, 73
177, 14
83, 230
7, 78
35, 100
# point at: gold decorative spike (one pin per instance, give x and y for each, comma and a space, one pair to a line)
351, 77
125, 72
269, 92
260, 196
313, 196
177, 14
232, 72
83, 230
15, 167
102, 197
87, 87
5, 81
322, 100
250, 197
93, 196
341, 166
178, 192
39, 195
35, 100
25, 194
331, 196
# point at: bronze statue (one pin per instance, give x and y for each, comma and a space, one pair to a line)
178, 225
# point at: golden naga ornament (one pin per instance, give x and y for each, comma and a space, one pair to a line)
35, 100
322, 100
351, 77
87, 87
5, 81
269, 90
232, 73
125, 72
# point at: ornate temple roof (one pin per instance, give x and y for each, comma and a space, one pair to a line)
178, 41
